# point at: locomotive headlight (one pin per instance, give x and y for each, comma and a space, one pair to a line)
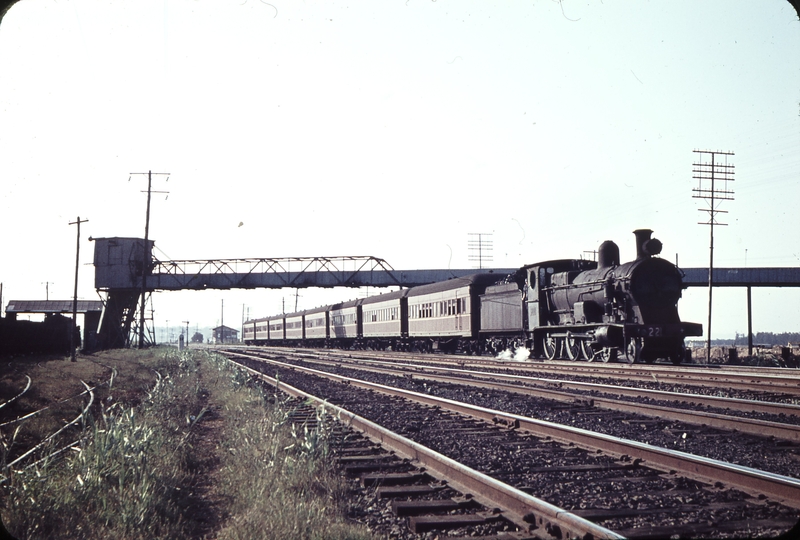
653, 246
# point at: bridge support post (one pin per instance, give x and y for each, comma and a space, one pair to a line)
749, 322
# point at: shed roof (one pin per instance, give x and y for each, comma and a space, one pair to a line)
52, 306
227, 329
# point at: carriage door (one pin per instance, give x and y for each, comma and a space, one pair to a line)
456, 307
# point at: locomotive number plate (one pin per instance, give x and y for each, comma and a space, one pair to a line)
653, 331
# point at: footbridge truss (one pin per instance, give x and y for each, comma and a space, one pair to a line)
290, 272
125, 269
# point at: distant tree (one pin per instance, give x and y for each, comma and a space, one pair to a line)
197, 337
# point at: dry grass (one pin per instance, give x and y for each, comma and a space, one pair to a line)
202, 452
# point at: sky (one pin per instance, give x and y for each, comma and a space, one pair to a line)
395, 129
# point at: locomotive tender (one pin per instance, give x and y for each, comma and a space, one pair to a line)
570, 308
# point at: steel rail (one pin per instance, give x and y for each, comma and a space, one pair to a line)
747, 405
781, 488
11, 400
525, 511
763, 428
49, 438
687, 375
788, 383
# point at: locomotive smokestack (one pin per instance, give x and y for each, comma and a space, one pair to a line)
646, 246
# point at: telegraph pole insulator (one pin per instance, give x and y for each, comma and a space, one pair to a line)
482, 244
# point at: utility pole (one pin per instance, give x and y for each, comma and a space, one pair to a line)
480, 245
222, 321
709, 174
153, 318
47, 288
146, 263
187, 333
75, 295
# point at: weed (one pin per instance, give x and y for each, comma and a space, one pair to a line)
206, 451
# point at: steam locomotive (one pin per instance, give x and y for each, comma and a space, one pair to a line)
562, 309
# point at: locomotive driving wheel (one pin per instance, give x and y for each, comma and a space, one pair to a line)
678, 356
633, 351
550, 346
587, 353
607, 354
573, 346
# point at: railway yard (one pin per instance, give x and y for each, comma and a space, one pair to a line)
443, 445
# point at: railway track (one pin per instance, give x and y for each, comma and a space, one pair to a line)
480, 499
773, 381
768, 418
592, 395
605, 462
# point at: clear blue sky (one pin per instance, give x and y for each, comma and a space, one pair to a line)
394, 129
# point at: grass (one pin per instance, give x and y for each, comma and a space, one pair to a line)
205, 453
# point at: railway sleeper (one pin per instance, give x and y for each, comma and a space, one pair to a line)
357, 450
376, 458
392, 492
557, 469
462, 511
709, 529
393, 479
421, 524
358, 469
601, 514
417, 508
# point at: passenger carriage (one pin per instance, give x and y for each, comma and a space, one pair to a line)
385, 320
249, 332
316, 326
275, 329
345, 323
293, 325
446, 315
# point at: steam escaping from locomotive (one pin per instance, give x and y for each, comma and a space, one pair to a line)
520, 354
